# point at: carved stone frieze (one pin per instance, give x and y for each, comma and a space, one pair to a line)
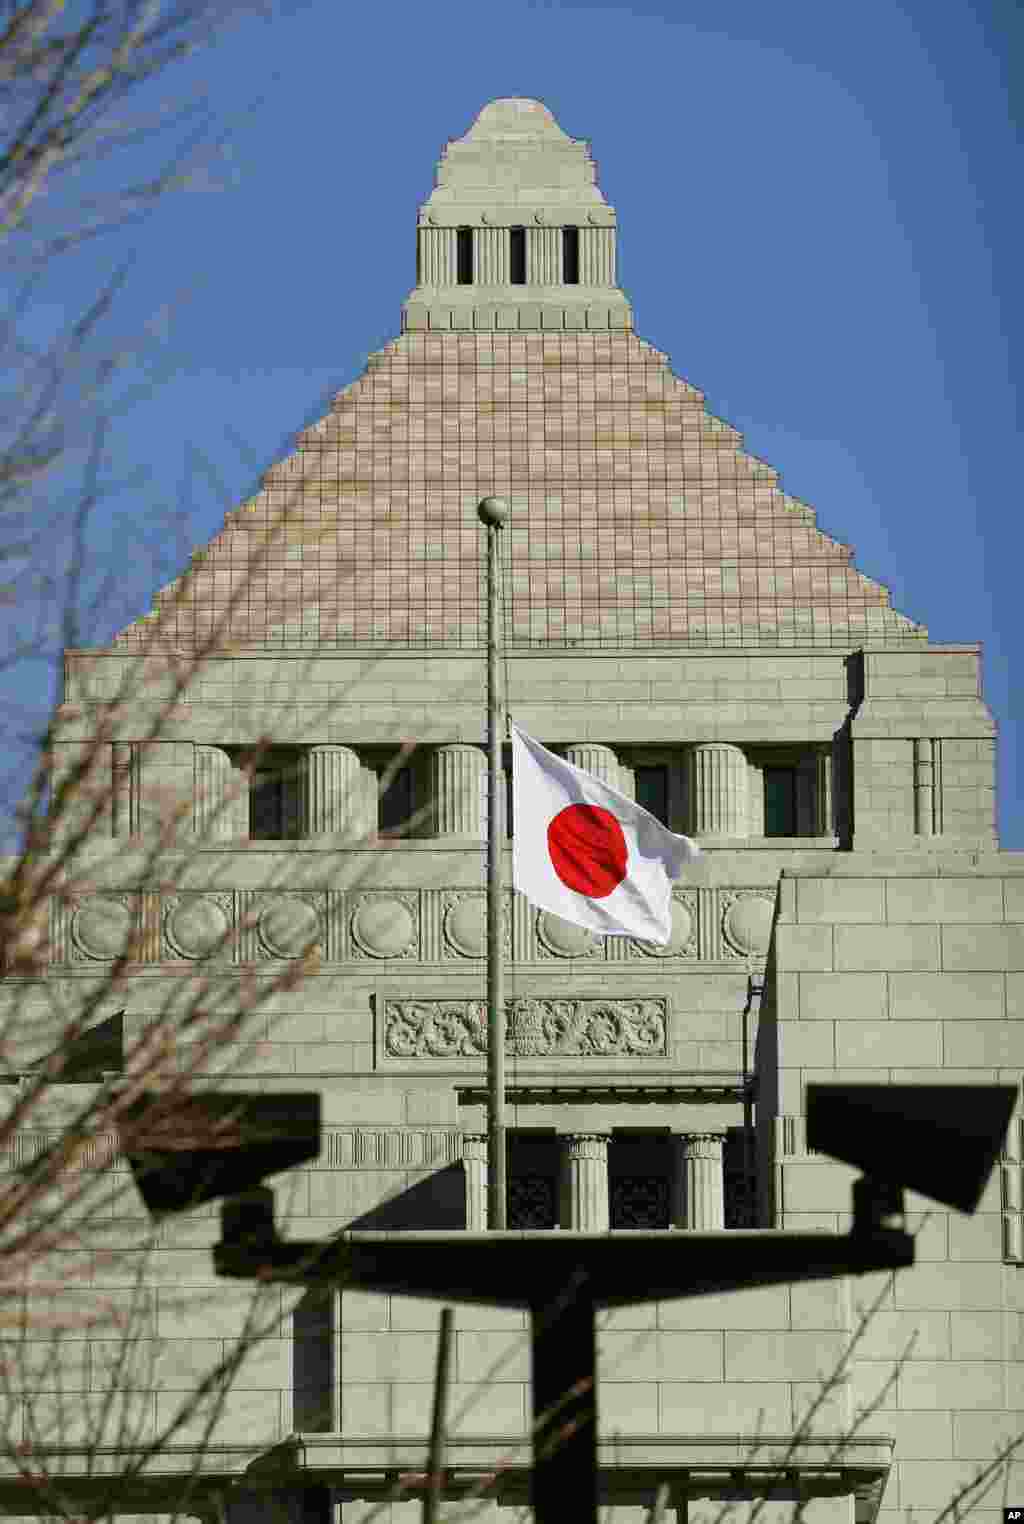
535, 1028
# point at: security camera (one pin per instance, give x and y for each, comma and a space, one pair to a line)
939, 1140
187, 1149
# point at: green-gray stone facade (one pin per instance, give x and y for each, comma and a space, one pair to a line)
678, 624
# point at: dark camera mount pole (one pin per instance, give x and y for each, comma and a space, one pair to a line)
941, 1140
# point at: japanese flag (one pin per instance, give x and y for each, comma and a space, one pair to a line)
587, 853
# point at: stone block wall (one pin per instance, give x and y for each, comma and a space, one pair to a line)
910, 973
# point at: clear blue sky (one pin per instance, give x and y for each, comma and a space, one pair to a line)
819, 212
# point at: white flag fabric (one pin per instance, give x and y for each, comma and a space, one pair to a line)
587, 853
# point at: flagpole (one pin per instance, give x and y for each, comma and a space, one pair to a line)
493, 512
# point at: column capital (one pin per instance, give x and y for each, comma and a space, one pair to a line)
584, 1189
699, 1194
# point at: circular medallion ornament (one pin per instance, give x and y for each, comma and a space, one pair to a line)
562, 937
681, 935
194, 927
465, 927
383, 927
748, 925
538, 216
101, 927
287, 927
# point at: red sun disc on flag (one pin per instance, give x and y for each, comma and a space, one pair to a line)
588, 850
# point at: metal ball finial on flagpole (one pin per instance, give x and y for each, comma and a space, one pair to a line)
493, 513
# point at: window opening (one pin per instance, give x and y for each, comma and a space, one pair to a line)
640, 1180
464, 257
395, 804
570, 256
740, 1179
274, 799
532, 1174
780, 801
652, 791
517, 256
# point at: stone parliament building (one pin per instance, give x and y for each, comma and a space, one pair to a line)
679, 625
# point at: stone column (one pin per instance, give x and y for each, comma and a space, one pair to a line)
457, 783
718, 790
699, 1185
474, 1165
333, 792
213, 811
596, 759
584, 1182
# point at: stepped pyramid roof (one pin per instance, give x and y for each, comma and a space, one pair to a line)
636, 515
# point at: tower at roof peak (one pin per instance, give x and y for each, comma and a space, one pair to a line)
516, 234
512, 116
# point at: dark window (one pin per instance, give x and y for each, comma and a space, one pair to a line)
780, 801
275, 795
419, 260
395, 809
464, 257
570, 256
517, 256
652, 791
266, 806
640, 1180
740, 1179
532, 1180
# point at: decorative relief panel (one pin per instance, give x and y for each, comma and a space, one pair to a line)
385, 925
464, 925
102, 926
747, 922
535, 1028
196, 925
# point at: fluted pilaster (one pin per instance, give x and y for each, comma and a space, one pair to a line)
718, 790
474, 1165
124, 801
213, 801
699, 1185
457, 790
334, 793
584, 1182
596, 759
